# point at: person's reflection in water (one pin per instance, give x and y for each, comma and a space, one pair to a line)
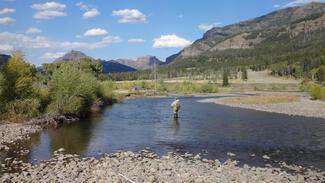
176, 124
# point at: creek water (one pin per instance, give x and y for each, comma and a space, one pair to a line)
209, 129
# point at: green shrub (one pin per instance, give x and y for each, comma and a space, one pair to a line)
42, 92
225, 80
2, 101
244, 75
209, 88
17, 78
22, 108
308, 86
320, 74
162, 86
318, 92
72, 91
17, 95
187, 87
105, 91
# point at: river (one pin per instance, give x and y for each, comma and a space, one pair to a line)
210, 129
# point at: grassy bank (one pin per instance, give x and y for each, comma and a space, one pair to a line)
163, 87
263, 99
257, 81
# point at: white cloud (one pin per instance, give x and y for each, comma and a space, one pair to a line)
7, 20
20, 41
6, 47
136, 40
33, 30
23, 41
48, 14
206, 27
96, 32
300, 2
130, 16
170, 41
7, 10
106, 41
52, 56
91, 13
49, 10
53, 6
82, 6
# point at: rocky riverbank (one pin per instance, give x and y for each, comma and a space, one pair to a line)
12, 132
146, 166
302, 107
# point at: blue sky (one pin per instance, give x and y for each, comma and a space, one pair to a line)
111, 29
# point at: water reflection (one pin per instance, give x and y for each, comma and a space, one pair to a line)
176, 124
74, 138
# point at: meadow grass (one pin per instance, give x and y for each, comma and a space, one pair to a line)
263, 99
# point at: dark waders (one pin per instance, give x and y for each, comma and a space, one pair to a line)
176, 114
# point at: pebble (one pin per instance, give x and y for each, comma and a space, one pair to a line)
231, 154
266, 157
60, 150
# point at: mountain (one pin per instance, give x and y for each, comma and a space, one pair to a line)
73, 56
108, 66
112, 67
171, 58
141, 63
247, 35
4, 58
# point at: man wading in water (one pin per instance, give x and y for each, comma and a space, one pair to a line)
176, 105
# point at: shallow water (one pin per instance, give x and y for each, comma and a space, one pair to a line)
210, 129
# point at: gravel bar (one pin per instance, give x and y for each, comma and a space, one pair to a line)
303, 107
146, 166
12, 132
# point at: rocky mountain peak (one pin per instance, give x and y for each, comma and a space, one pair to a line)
141, 63
73, 55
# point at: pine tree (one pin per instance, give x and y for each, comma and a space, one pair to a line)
225, 81
244, 75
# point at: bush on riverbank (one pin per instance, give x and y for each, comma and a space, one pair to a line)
18, 95
72, 91
316, 91
106, 92
67, 89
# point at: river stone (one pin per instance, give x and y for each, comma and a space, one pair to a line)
231, 154
266, 157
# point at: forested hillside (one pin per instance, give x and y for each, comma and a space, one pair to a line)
288, 42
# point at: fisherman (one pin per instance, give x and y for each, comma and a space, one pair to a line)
176, 105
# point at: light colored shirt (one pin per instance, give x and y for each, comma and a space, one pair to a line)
176, 105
